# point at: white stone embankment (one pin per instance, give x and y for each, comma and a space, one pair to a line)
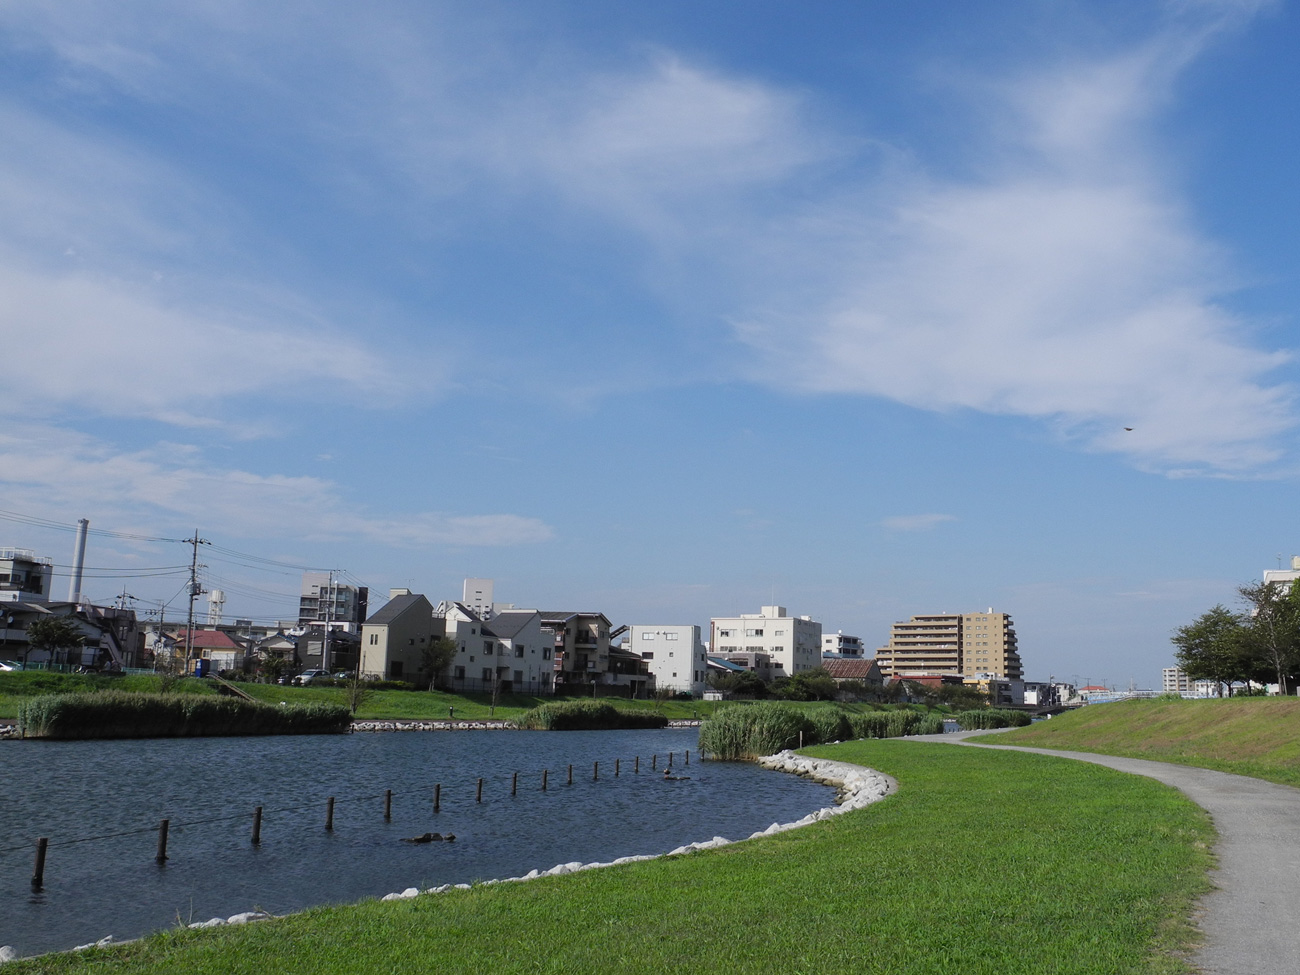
857, 787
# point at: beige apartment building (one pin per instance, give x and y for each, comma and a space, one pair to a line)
970, 644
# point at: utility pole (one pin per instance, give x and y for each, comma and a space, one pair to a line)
329, 612
195, 591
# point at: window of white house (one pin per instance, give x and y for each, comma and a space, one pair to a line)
519, 651
487, 673
487, 648
546, 653
460, 673
725, 633
647, 636
519, 676
647, 655
670, 636
753, 633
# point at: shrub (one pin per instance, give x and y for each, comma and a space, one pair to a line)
587, 716
741, 733
122, 714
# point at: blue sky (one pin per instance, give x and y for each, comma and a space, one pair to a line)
668, 310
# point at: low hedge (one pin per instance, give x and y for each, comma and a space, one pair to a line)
588, 716
122, 714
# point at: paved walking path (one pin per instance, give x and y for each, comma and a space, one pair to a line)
1251, 920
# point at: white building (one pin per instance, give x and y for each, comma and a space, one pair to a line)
1284, 576
1174, 681
837, 646
794, 642
509, 653
23, 576
675, 654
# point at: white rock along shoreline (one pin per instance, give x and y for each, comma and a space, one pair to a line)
857, 786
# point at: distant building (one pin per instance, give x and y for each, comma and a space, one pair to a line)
968, 644
326, 600
512, 652
675, 656
865, 671
837, 645
23, 576
1174, 681
793, 642
1284, 576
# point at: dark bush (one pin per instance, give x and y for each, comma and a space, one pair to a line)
588, 716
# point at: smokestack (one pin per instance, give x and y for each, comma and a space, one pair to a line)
78, 561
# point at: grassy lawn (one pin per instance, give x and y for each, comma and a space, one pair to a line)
1255, 736
985, 863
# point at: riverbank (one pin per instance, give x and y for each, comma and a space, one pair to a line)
943, 896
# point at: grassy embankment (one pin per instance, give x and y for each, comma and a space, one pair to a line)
985, 863
1255, 736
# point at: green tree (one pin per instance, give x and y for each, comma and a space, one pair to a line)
1212, 647
437, 657
1272, 631
54, 634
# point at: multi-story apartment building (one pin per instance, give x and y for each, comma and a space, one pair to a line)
836, 646
1174, 681
675, 655
23, 576
324, 599
794, 642
970, 644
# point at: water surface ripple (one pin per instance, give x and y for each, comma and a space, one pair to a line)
69, 791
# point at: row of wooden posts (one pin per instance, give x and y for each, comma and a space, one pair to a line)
160, 857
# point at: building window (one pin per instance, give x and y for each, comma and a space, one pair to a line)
647, 655
753, 633
519, 651
460, 673
647, 636
546, 653
725, 633
487, 673
487, 648
670, 636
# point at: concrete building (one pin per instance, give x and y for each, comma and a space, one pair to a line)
675, 655
970, 644
395, 638
23, 576
1284, 577
1174, 681
325, 599
794, 642
837, 646
754, 661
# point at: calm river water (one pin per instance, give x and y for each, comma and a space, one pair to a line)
79, 793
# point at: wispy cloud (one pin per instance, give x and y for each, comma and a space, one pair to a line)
49, 470
915, 523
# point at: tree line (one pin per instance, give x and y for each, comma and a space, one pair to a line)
1259, 644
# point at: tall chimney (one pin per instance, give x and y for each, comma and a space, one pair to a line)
78, 561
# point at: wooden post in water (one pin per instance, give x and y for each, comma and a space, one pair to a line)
329, 814
388, 805
616, 761
595, 771
688, 756
478, 795
570, 775
161, 856
514, 784
257, 826
38, 873
636, 765
544, 773
670, 759
654, 763
437, 797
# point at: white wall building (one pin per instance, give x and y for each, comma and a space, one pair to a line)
840, 645
510, 652
795, 642
675, 654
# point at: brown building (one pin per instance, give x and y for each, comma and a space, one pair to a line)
968, 644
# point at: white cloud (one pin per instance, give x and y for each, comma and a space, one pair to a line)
48, 470
1067, 283
915, 523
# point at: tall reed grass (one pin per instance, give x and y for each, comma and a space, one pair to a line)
587, 716
122, 714
746, 732
989, 718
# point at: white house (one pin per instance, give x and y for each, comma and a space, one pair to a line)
675, 654
508, 653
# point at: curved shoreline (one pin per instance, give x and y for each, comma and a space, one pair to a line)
857, 787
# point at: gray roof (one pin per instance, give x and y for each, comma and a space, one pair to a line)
507, 624
396, 607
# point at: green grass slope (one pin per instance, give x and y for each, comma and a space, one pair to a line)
1256, 736
985, 863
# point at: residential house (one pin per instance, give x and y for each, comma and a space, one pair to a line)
396, 639
511, 652
863, 671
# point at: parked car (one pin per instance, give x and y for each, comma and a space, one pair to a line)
344, 675
10, 665
307, 676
